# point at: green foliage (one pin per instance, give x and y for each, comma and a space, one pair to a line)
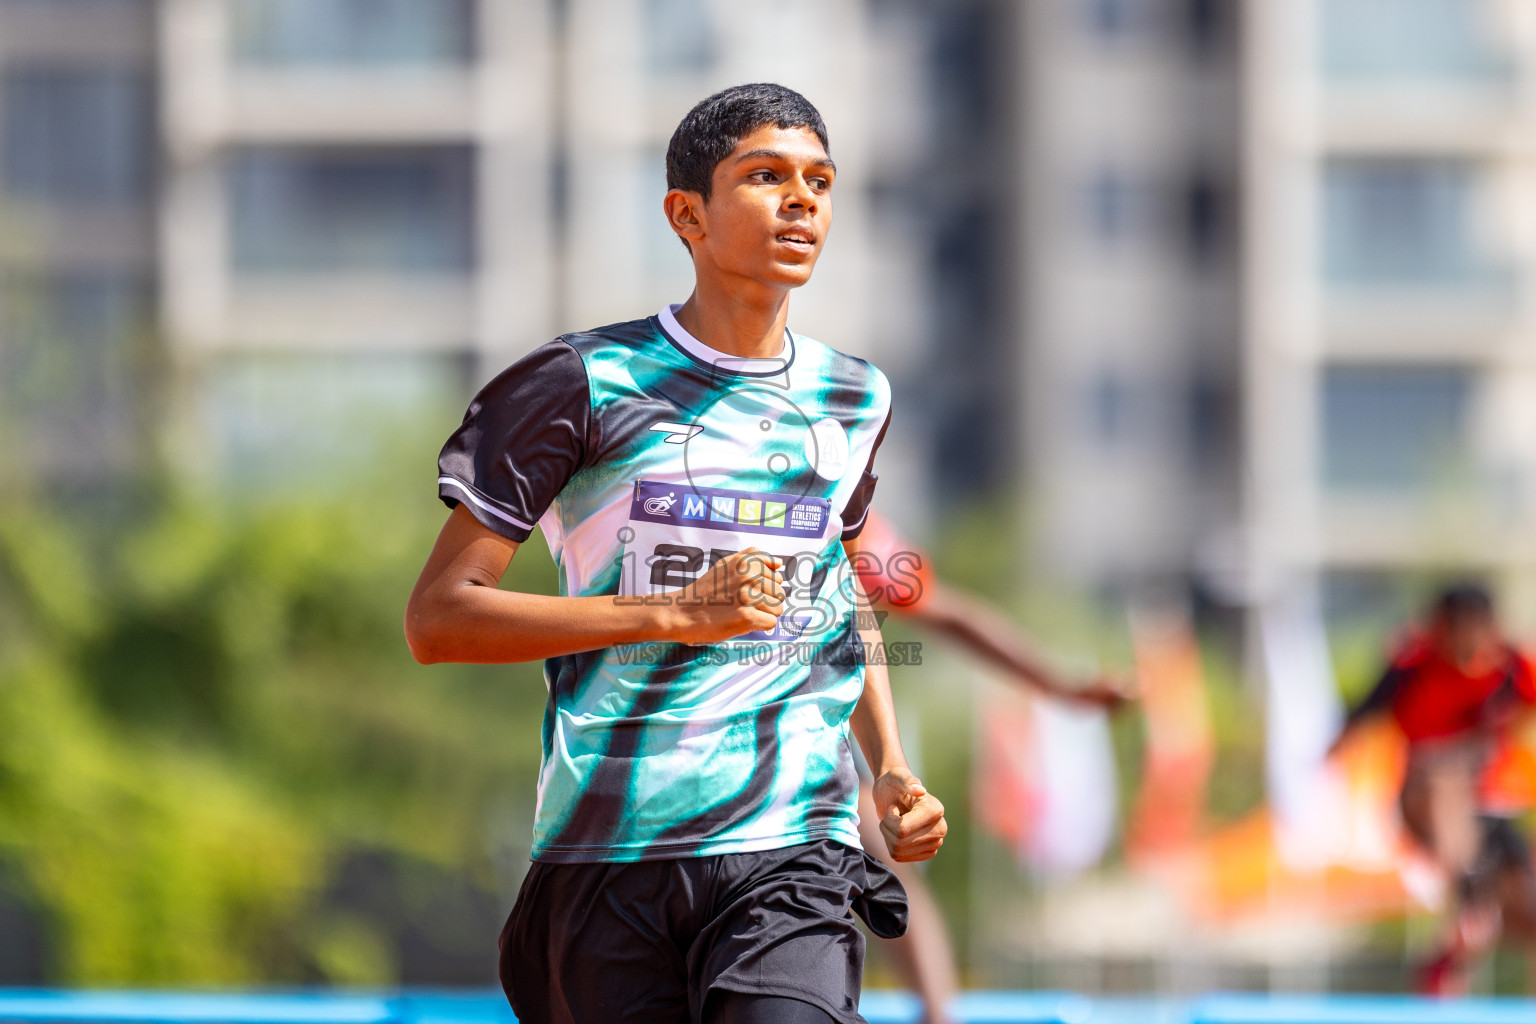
1237, 725
210, 710
221, 764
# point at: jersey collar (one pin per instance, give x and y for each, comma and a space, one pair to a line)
723, 362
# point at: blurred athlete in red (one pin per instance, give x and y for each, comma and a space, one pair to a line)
898, 577
1455, 687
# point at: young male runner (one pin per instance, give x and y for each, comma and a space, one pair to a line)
1454, 688
698, 475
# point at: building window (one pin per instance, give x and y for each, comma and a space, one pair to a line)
75, 348
1209, 24
679, 36
299, 210
295, 420
1211, 411
1446, 40
1110, 410
352, 32
1394, 428
1113, 20
1402, 221
1205, 212
961, 67
77, 135
130, 8
1115, 206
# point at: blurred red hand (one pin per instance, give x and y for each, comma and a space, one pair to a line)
1108, 690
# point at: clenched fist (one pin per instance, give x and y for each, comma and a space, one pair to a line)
742, 592
911, 818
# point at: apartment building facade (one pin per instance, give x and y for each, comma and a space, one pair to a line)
78, 228
1390, 272
1127, 269
333, 210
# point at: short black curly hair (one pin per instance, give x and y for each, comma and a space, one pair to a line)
1464, 601
707, 133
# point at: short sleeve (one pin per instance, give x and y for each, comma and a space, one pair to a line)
523, 438
1412, 652
1524, 675
857, 509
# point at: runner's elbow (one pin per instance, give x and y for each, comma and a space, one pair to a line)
424, 633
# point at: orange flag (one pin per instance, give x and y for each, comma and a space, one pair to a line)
1170, 808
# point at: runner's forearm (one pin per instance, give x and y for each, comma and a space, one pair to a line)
483, 625
874, 719
988, 635
1378, 700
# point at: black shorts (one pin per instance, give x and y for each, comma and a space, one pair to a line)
1503, 850
646, 942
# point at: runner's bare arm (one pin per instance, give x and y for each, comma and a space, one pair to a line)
911, 818
457, 613
982, 630
1379, 700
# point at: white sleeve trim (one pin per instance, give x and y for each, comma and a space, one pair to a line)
482, 503
855, 526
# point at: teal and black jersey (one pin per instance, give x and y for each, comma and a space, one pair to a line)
645, 456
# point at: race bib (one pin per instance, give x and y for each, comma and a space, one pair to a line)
677, 531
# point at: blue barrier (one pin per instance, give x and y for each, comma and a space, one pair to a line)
133, 1007
53, 1006
1318, 1009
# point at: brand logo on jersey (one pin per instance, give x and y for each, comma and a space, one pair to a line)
661, 506
694, 507
678, 433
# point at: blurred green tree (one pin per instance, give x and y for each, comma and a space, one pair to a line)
220, 762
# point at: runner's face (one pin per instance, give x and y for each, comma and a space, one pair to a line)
1466, 638
770, 207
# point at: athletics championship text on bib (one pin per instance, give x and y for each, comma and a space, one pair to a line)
677, 531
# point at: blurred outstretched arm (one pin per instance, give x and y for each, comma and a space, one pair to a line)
984, 631
1377, 701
